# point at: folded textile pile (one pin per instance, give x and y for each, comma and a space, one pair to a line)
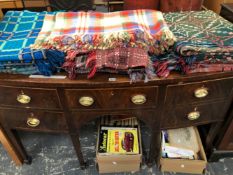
18, 30
118, 61
109, 39
204, 41
166, 63
86, 31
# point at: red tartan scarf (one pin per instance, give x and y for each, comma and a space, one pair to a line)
118, 58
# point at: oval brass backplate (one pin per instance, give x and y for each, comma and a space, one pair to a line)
201, 92
139, 99
194, 115
86, 101
24, 99
33, 122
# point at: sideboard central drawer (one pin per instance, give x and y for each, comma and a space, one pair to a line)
29, 97
117, 98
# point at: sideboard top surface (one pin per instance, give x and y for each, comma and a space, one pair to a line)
105, 80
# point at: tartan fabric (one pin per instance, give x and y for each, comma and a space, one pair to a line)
48, 26
78, 66
201, 34
81, 32
203, 67
18, 30
118, 58
164, 64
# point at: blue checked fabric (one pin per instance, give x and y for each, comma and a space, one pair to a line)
18, 30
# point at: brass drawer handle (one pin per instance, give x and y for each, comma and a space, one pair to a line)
86, 101
23, 98
194, 115
201, 92
138, 99
33, 122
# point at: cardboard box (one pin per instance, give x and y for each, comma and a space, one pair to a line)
119, 163
185, 165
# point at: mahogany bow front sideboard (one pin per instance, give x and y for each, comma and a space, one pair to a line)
63, 105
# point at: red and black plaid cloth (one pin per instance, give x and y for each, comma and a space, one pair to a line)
118, 58
131, 61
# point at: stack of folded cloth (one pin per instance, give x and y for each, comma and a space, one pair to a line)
18, 30
204, 42
140, 43
117, 42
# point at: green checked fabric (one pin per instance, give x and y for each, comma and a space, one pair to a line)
202, 35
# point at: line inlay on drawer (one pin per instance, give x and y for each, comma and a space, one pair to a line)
198, 92
34, 119
191, 115
115, 98
29, 97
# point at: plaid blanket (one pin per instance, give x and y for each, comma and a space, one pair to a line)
118, 58
205, 67
81, 32
204, 44
18, 30
78, 66
202, 35
164, 64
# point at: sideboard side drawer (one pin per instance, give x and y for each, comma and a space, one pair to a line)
178, 116
185, 93
38, 97
47, 121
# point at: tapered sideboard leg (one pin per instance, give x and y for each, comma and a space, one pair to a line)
213, 131
17, 145
77, 146
13, 145
155, 148
10, 148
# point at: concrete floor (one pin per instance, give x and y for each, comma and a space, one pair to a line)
53, 154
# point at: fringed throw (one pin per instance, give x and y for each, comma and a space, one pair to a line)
118, 58
126, 61
203, 34
82, 32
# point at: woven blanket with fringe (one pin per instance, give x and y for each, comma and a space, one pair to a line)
201, 35
18, 30
164, 64
143, 71
81, 32
118, 59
